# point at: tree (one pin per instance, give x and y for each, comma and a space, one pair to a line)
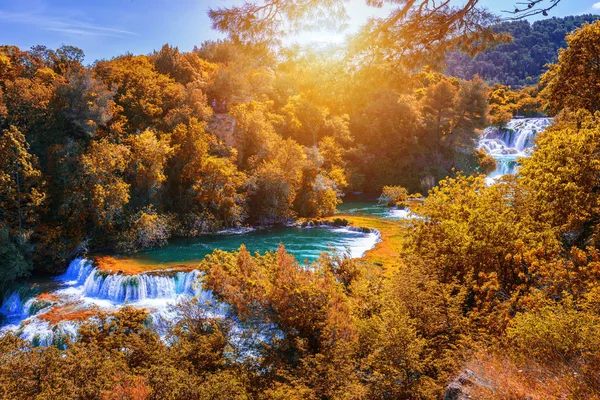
203, 184
101, 191
417, 31
303, 120
272, 192
438, 106
145, 95
573, 82
303, 314
218, 191
146, 229
21, 184
523, 60
483, 237
15, 257
149, 155
562, 178
84, 102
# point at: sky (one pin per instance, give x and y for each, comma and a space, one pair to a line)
107, 28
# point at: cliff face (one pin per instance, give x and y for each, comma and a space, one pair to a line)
223, 126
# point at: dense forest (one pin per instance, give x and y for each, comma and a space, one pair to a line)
132, 151
498, 285
522, 61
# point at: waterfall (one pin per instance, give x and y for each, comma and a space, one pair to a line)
506, 145
120, 288
83, 286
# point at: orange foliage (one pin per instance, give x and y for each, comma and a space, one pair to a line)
127, 388
48, 297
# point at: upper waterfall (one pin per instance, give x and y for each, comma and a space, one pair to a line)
507, 144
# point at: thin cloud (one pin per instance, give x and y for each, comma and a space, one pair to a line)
596, 6
64, 25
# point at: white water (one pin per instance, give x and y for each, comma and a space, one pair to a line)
84, 287
516, 140
121, 289
359, 245
15, 309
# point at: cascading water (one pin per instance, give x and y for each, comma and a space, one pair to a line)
83, 287
121, 289
16, 307
506, 145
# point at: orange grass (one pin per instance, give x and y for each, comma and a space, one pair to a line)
497, 378
129, 266
67, 312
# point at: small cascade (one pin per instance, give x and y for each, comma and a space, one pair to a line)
14, 306
120, 288
506, 145
78, 271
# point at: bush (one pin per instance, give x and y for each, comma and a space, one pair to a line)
555, 336
487, 164
147, 229
392, 195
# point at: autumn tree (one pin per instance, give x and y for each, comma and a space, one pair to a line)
145, 229
99, 193
562, 175
573, 82
483, 237
22, 198
205, 185
83, 101
302, 346
145, 95
149, 155
22, 192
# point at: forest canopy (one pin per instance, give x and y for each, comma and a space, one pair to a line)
522, 61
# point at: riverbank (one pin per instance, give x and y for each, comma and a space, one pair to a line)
386, 252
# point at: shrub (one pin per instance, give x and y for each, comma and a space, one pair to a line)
556, 336
392, 195
147, 229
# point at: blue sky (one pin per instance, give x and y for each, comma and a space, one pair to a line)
106, 28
